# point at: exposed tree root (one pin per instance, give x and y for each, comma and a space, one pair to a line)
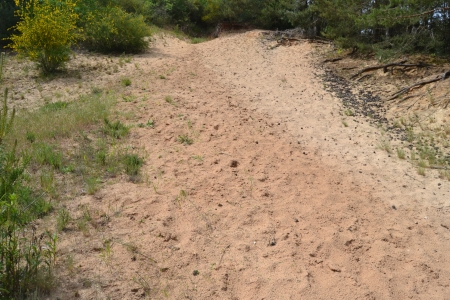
390, 65
418, 84
333, 59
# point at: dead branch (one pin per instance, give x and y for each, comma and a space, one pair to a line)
417, 84
363, 77
411, 96
333, 59
384, 67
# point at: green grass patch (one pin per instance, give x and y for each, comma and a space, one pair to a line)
115, 129
60, 120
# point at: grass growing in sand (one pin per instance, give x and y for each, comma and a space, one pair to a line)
59, 142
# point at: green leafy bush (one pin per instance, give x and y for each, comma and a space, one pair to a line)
47, 31
111, 29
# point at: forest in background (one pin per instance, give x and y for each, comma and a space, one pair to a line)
381, 26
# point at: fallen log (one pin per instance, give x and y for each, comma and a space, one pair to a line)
420, 83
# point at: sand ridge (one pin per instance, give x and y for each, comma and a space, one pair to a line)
275, 199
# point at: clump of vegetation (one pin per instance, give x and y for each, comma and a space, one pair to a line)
25, 265
185, 139
126, 81
132, 163
401, 153
47, 31
116, 129
111, 29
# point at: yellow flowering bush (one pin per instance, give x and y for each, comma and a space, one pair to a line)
111, 29
47, 31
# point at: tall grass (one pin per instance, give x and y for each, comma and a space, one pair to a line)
25, 265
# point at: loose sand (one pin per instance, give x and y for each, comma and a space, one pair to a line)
275, 199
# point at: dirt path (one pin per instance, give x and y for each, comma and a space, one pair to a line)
275, 198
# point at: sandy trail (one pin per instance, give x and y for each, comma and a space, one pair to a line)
275, 199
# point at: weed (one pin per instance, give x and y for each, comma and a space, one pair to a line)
55, 106
185, 139
169, 100
144, 284
345, 124
422, 163
63, 219
31, 137
132, 163
96, 90
86, 213
444, 174
70, 264
92, 185
51, 250
162, 77
47, 180
348, 112
198, 157
116, 129
198, 40
421, 171
181, 197
2, 63
44, 154
5, 120
83, 227
107, 251
400, 153
126, 81
68, 169
130, 98
385, 145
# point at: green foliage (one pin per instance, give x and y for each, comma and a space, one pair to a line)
126, 81
25, 267
45, 154
5, 120
47, 31
2, 63
132, 163
111, 29
185, 139
116, 129
63, 219
65, 118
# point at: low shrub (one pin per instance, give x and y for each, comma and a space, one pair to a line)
111, 29
47, 31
